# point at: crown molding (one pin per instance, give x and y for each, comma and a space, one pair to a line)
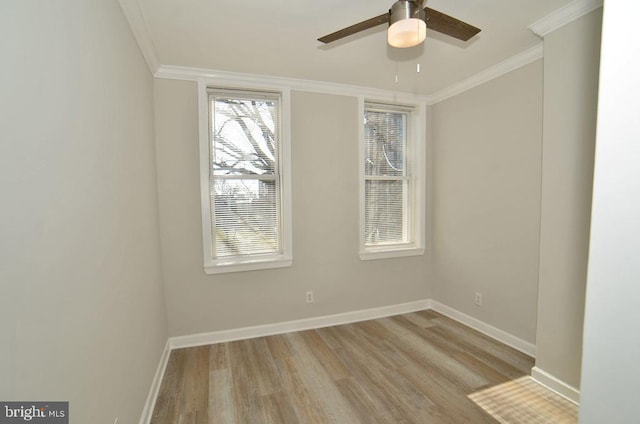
561, 17
138, 26
542, 27
235, 78
256, 80
511, 64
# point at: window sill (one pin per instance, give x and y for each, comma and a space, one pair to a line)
390, 252
221, 267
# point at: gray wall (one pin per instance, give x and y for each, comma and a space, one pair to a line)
81, 306
80, 234
487, 153
571, 66
610, 371
325, 225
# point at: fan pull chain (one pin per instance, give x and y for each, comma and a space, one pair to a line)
418, 68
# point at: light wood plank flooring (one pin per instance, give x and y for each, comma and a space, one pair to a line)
413, 368
525, 401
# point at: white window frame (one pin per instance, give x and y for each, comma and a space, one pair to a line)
416, 163
213, 265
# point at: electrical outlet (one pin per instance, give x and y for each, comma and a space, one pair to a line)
478, 299
309, 296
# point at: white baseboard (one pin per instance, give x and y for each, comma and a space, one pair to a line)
298, 325
493, 332
556, 385
150, 404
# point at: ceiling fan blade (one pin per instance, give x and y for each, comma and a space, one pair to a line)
353, 29
449, 25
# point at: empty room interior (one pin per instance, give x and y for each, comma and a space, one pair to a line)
212, 214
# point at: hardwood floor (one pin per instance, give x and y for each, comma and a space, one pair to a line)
525, 401
412, 368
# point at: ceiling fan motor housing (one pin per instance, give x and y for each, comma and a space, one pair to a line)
406, 9
407, 25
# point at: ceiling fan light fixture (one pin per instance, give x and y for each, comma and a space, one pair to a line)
407, 26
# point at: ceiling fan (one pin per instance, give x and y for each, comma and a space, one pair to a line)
408, 23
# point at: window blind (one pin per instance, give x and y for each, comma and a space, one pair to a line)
244, 176
387, 177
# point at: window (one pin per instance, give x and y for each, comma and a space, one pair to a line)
245, 206
392, 195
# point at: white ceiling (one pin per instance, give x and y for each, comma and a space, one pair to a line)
279, 38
